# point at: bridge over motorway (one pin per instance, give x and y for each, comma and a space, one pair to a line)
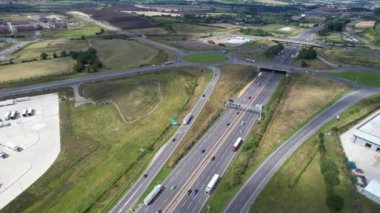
296, 42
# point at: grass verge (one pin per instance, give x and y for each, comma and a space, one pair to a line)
299, 184
366, 78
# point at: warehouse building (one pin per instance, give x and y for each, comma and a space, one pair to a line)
368, 132
372, 191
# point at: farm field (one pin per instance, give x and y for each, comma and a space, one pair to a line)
34, 50
232, 80
35, 69
119, 53
90, 131
334, 37
297, 100
365, 78
355, 57
206, 58
372, 35
119, 19
299, 184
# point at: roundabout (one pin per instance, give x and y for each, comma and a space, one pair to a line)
206, 58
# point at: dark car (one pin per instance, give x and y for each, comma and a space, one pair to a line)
213, 158
195, 192
203, 95
359, 170
173, 140
203, 150
228, 124
189, 192
145, 175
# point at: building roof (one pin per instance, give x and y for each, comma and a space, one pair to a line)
369, 129
373, 188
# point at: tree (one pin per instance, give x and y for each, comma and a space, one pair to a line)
304, 64
44, 56
63, 53
334, 201
274, 50
55, 55
308, 53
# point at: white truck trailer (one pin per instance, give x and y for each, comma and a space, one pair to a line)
211, 185
153, 194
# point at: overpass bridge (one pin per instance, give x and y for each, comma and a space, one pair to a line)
295, 42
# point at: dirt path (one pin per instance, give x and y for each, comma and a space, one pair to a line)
79, 100
125, 120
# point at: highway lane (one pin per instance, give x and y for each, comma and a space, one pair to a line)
225, 154
247, 195
195, 157
136, 191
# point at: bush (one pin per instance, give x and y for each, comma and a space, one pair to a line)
44, 56
334, 202
331, 178
328, 165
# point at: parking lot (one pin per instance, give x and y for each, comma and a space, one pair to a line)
29, 142
366, 159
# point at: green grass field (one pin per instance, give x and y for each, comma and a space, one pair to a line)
298, 98
299, 184
101, 155
365, 78
358, 57
206, 58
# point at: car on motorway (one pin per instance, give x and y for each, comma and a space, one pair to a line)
228, 124
145, 175
203, 150
213, 158
195, 192
243, 123
3, 155
204, 95
173, 187
189, 192
173, 140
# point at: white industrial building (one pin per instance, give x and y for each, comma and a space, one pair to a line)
368, 132
372, 191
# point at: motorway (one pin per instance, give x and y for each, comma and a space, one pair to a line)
247, 195
133, 195
196, 168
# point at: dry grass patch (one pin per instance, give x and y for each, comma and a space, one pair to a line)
120, 53
36, 69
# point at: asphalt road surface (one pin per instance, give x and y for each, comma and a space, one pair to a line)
196, 169
133, 195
